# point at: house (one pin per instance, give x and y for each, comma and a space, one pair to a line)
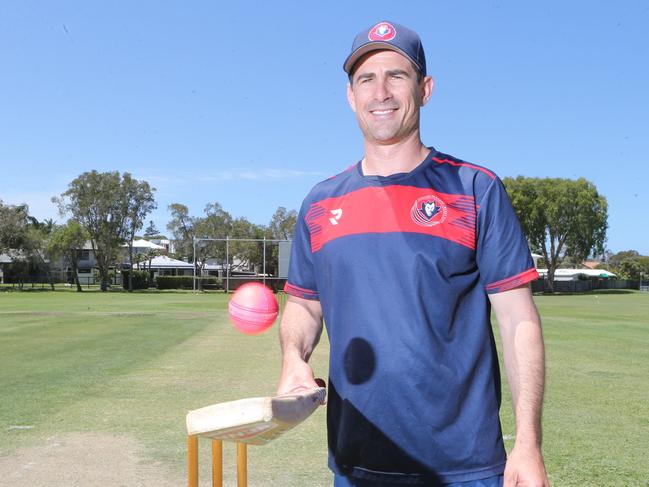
577, 274
163, 265
141, 246
88, 262
592, 264
5, 259
144, 247
163, 242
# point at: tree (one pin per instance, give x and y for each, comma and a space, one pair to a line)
182, 228
282, 224
629, 269
247, 254
36, 244
46, 226
560, 217
149, 256
151, 231
629, 264
67, 240
103, 204
13, 226
217, 223
615, 260
138, 200
23, 237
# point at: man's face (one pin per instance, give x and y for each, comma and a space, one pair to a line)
386, 97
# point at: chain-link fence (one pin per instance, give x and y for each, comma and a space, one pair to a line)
55, 280
226, 263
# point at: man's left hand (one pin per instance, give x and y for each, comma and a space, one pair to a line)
525, 468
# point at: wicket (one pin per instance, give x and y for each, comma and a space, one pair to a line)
217, 463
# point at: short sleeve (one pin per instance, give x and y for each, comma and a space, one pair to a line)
301, 274
503, 255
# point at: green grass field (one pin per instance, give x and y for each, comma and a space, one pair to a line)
131, 365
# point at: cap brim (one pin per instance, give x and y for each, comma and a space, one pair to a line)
369, 47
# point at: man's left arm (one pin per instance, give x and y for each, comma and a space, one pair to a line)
524, 356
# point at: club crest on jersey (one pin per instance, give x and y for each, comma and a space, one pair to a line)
428, 211
383, 31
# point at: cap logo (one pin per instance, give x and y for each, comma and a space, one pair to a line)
428, 211
383, 31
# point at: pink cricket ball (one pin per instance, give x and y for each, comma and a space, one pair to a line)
253, 308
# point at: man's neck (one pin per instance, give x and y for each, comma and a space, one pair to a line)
401, 157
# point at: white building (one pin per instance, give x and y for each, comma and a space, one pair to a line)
576, 274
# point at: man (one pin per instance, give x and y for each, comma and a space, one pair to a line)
403, 256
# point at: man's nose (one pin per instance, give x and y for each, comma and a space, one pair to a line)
382, 91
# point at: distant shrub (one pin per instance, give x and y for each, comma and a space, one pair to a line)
140, 279
210, 283
175, 282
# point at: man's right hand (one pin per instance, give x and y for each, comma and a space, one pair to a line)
300, 332
296, 376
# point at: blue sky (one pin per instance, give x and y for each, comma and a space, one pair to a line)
244, 103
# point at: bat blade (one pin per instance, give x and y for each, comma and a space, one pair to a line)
255, 420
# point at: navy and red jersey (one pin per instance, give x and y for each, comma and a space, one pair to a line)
402, 266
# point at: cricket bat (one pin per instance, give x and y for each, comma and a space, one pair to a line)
255, 420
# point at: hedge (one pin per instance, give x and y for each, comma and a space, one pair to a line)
186, 282
175, 282
140, 279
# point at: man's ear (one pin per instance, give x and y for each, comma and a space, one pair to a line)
350, 97
427, 85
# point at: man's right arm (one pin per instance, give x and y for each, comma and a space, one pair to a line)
299, 334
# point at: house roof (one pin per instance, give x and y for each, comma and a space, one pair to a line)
592, 264
165, 262
145, 244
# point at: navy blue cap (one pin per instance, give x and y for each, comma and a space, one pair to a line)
388, 35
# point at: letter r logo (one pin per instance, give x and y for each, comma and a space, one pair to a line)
337, 213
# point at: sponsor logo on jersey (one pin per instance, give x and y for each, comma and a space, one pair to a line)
383, 31
428, 211
337, 213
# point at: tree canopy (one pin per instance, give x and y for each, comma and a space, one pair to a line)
152, 231
217, 223
66, 241
108, 206
629, 264
14, 221
560, 217
139, 202
282, 224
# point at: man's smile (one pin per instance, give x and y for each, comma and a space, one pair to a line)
383, 111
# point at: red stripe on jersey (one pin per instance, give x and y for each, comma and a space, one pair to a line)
466, 164
512, 282
300, 292
393, 209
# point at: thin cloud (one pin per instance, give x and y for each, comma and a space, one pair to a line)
262, 174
